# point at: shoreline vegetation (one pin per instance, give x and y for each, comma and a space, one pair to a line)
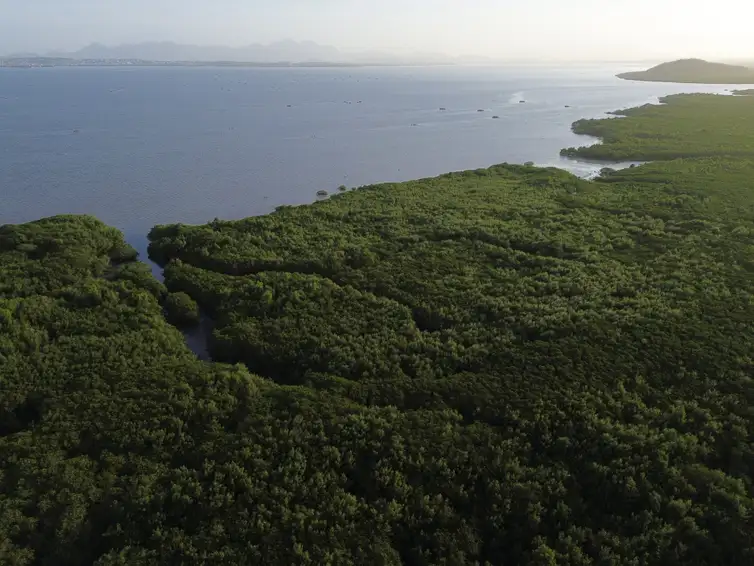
683, 126
508, 365
693, 71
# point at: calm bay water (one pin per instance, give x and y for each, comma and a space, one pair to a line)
142, 146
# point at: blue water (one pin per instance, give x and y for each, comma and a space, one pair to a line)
142, 146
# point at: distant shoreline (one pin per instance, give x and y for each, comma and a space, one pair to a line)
630, 77
41, 63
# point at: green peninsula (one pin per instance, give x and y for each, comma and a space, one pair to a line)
694, 71
501, 366
683, 126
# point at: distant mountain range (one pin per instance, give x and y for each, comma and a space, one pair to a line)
294, 53
278, 52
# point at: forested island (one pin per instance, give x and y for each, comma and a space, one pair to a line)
694, 71
501, 366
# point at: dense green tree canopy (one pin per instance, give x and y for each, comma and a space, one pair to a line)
181, 310
503, 366
685, 125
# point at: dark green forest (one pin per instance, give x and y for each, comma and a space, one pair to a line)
685, 125
506, 366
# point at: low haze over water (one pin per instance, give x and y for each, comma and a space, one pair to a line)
141, 146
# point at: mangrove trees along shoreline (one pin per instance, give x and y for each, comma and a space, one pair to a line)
684, 126
502, 366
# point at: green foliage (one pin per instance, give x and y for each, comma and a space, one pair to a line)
501, 366
686, 125
181, 310
140, 275
600, 331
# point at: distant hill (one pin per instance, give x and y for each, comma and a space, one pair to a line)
694, 71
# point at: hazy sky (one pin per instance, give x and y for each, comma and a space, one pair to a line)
555, 29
